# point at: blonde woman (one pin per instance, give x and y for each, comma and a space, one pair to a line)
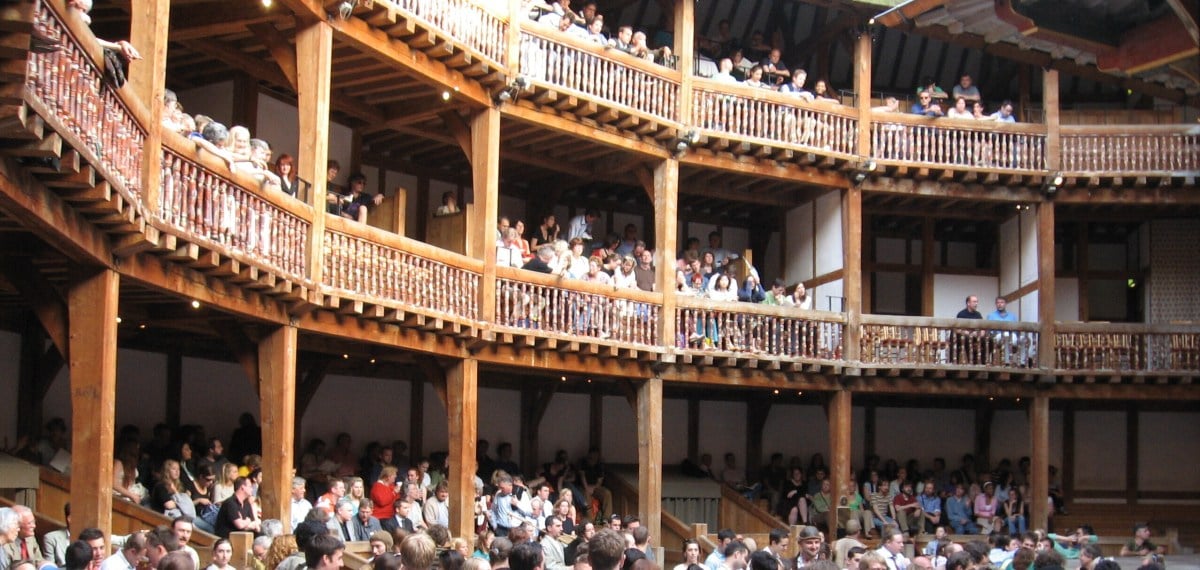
223, 489
169, 496
355, 491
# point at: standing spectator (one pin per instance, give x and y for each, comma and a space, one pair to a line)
966, 90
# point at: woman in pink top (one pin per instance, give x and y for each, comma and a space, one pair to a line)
986, 507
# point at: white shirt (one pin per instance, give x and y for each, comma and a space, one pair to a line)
894, 561
300, 511
117, 562
579, 228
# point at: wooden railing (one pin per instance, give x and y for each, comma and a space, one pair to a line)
468, 23
767, 117
918, 341
1131, 149
534, 301
739, 513
958, 143
96, 118
212, 207
1127, 347
373, 265
748, 328
599, 73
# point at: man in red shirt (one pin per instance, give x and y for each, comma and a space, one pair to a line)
908, 510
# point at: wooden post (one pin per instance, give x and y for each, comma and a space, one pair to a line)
666, 230
852, 272
512, 51
685, 50
927, 253
314, 56
92, 314
1131, 454
148, 78
1045, 253
462, 392
277, 405
862, 91
1039, 458
242, 543
485, 170
649, 427
423, 211
839, 413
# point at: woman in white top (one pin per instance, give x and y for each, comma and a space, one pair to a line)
801, 298
576, 266
625, 277
691, 555
754, 78
222, 554
960, 110
224, 487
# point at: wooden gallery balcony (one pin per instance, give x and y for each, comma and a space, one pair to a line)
199, 215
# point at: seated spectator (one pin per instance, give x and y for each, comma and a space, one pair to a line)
978, 113
333, 192
821, 92
541, 261
724, 72
1001, 313
777, 295
775, 71
285, 169
965, 90
741, 65
640, 47
796, 85
239, 143
624, 39
522, 243
594, 272
937, 93
214, 138
1140, 544
925, 106
752, 291
356, 202
126, 49
626, 275
595, 30
960, 110
801, 298
755, 78
258, 166
723, 289
567, 26
890, 105
449, 204
1005, 114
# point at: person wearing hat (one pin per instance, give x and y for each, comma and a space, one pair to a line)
986, 507
851, 540
810, 540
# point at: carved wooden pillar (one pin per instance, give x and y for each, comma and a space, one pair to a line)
148, 78
277, 405
649, 424
838, 412
92, 310
1039, 456
485, 169
666, 231
314, 56
462, 393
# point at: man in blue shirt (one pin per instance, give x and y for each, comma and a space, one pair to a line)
1001, 313
926, 106
959, 513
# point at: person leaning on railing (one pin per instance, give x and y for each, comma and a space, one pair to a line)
126, 49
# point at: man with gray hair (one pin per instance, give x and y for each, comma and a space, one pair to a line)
25, 547
541, 262
9, 526
300, 505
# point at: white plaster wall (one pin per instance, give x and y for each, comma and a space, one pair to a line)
723, 429
798, 259
829, 233
361, 418
1095, 470
923, 434
1066, 299
620, 431
950, 293
409, 183
565, 426
796, 430
737, 240
1010, 254
889, 294
1165, 439
675, 436
437, 431
215, 100
1027, 307
769, 267
278, 124
1029, 259
502, 421
215, 394
890, 250
1011, 438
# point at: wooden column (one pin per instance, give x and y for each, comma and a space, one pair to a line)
462, 392
92, 313
1131, 454
838, 412
1045, 253
1039, 457
174, 389
148, 79
1050, 105
650, 431
423, 210
852, 273
485, 171
314, 56
927, 253
277, 405
512, 51
666, 231
862, 92
685, 50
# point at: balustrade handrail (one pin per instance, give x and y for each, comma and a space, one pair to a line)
604, 52
903, 118
759, 93
578, 285
948, 323
1130, 130
491, 46
691, 302
403, 244
1126, 328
